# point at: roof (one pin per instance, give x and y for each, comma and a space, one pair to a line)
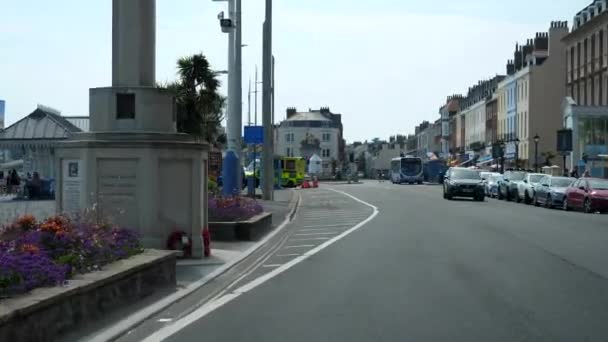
308, 116
40, 124
576, 109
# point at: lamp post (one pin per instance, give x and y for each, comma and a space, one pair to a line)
268, 155
536, 140
516, 143
502, 156
231, 168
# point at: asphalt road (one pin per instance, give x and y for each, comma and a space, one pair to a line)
428, 269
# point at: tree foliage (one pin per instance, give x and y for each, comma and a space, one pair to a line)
199, 106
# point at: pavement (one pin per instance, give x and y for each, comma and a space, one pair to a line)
192, 276
419, 268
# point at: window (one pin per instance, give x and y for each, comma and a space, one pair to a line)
326, 153
289, 152
326, 136
125, 106
289, 137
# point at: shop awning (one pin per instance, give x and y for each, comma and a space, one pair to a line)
485, 162
466, 163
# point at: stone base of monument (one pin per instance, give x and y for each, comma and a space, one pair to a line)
154, 183
253, 229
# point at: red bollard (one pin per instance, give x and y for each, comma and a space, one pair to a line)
206, 242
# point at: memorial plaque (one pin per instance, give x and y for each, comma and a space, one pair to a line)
71, 175
117, 190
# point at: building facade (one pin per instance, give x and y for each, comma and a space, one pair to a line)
319, 132
29, 144
447, 113
585, 109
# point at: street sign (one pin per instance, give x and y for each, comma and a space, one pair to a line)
564, 140
254, 134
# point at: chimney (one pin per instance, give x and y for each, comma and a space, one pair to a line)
541, 41
325, 110
518, 59
291, 111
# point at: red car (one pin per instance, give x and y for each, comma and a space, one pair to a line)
588, 194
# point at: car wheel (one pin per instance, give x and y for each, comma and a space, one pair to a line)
517, 197
527, 198
444, 195
548, 202
587, 206
499, 195
565, 205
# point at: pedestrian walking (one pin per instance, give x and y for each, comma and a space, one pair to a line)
574, 173
14, 181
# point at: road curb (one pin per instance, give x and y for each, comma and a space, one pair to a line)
135, 319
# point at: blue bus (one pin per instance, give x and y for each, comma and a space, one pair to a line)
434, 170
407, 170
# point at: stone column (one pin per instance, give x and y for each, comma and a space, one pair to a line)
133, 43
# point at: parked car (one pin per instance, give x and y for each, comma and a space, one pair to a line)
551, 191
525, 190
462, 182
491, 184
507, 187
588, 194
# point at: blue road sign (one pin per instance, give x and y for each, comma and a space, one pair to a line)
254, 134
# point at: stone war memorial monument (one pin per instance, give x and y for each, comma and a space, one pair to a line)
133, 166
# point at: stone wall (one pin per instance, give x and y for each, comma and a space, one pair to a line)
47, 313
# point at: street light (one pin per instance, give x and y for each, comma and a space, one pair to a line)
502, 156
536, 140
516, 141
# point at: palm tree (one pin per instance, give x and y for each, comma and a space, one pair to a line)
549, 156
199, 106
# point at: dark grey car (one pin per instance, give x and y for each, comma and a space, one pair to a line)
551, 191
461, 182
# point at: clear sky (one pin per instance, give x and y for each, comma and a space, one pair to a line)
385, 65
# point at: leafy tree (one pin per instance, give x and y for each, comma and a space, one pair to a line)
199, 106
361, 162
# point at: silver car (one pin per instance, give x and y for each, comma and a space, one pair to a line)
551, 191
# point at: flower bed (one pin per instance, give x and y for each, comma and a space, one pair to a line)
37, 254
232, 209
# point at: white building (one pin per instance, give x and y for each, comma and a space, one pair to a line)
475, 120
319, 132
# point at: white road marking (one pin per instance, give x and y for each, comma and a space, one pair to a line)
310, 239
305, 228
273, 265
212, 306
300, 246
317, 233
164, 320
313, 234
288, 255
128, 323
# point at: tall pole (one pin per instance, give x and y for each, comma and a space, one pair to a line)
536, 156
249, 104
255, 94
268, 155
231, 160
272, 90
238, 90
